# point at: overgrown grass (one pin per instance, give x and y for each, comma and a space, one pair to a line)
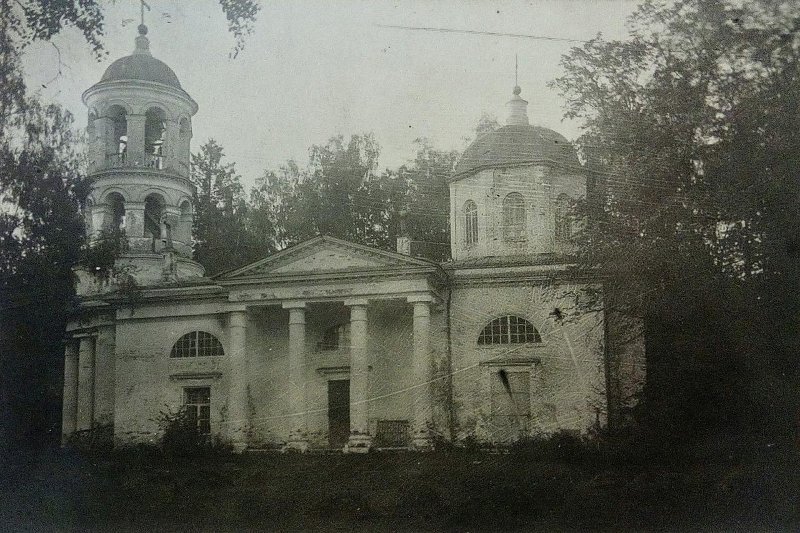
554, 484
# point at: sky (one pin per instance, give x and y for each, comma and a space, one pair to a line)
313, 69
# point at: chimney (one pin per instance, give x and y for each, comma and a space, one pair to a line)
403, 240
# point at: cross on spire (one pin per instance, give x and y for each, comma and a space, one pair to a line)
141, 9
516, 70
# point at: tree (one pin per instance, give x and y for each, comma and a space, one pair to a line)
222, 236
427, 203
340, 194
694, 216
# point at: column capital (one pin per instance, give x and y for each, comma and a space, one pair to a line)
356, 302
238, 318
293, 304
419, 298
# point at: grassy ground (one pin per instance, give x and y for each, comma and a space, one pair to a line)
143, 491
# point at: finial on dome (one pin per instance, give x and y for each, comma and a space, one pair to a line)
517, 109
142, 42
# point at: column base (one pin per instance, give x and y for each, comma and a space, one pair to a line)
358, 443
295, 446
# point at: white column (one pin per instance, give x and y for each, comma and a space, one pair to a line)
104, 374
136, 140
85, 383
298, 434
69, 412
360, 439
237, 393
99, 216
421, 367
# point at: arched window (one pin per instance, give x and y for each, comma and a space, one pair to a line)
470, 223
509, 329
197, 344
563, 218
116, 205
514, 217
155, 127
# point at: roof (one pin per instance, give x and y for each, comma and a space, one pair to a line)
516, 144
141, 67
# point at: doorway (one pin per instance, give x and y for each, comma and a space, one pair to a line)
338, 412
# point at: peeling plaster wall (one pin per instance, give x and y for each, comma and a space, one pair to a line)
568, 382
148, 381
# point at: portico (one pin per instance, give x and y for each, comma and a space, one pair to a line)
345, 326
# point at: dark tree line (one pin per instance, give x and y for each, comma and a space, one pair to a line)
339, 192
691, 124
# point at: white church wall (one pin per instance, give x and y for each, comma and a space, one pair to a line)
567, 373
149, 382
539, 185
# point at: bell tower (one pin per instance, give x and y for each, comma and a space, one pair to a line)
139, 132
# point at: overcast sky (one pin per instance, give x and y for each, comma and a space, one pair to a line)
313, 69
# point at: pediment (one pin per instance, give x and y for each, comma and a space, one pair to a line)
322, 255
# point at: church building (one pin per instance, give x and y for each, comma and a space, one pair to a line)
331, 344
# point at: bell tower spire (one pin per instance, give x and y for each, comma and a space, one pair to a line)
517, 107
139, 150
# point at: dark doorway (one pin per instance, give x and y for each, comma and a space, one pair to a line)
338, 412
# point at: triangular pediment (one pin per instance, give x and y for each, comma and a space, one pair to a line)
322, 255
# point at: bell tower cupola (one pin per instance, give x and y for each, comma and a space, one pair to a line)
139, 132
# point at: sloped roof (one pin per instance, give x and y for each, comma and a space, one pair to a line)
325, 254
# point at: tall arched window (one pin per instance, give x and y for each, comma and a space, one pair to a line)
155, 127
470, 223
116, 220
197, 344
509, 329
514, 217
563, 218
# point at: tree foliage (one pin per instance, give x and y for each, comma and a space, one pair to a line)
342, 193
222, 234
691, 128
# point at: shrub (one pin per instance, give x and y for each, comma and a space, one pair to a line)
182, 438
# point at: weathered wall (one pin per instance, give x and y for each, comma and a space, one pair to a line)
149, 382
539, 185
568, 379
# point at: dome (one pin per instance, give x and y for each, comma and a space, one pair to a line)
142, 67
517, 144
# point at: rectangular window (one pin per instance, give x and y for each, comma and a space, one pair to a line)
511, 404
197, 402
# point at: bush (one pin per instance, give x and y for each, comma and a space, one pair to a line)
564, 447
182, 438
